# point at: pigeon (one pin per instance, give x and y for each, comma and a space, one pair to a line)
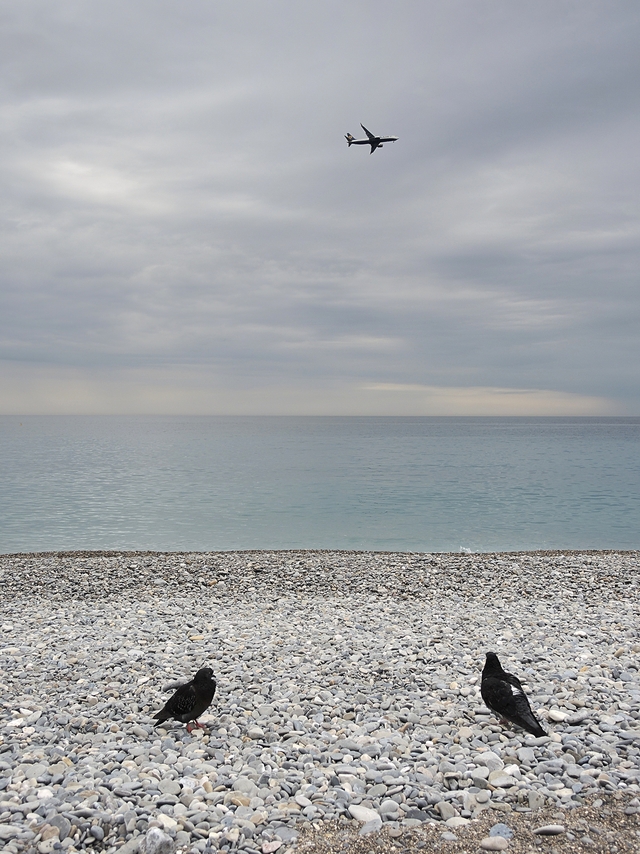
504, 695
190, 700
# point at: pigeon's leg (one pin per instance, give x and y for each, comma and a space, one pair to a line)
199, 725
189, 727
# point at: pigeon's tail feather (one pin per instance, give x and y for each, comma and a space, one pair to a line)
525, 717
531, 725
161, 716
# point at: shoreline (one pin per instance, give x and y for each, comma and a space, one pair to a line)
345, 679
129, 552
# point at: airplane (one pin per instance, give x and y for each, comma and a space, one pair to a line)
373, 141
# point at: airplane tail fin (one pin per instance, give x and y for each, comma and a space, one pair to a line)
349, 138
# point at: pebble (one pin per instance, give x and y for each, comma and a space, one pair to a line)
446, 810
456, 821
494, 843
157, 842
364, 814
348, 690
501, 830
63, 824
549, 830
557, 716
8, 831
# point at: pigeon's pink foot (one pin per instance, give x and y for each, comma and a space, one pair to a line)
200, 726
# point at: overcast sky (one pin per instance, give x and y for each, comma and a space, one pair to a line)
184, 228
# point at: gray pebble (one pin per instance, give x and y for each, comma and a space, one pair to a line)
158, 842
549, 830
501, 830
494, 843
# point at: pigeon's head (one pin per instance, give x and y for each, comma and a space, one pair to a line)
492, 664
204, 675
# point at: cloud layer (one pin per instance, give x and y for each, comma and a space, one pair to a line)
186, 230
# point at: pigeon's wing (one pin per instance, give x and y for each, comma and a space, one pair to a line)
182, 702
513, 680
522, 701
203, 700
525, 717
507, 699
500, 696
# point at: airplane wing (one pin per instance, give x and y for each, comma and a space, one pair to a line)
368, 132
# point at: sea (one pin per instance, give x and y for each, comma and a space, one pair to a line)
429, 484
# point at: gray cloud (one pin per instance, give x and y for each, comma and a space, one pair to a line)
180, 210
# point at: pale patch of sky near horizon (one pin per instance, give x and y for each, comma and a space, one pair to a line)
185, 229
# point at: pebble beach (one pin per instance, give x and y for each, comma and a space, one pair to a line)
347, 715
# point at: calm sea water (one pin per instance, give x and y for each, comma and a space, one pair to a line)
417, 484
